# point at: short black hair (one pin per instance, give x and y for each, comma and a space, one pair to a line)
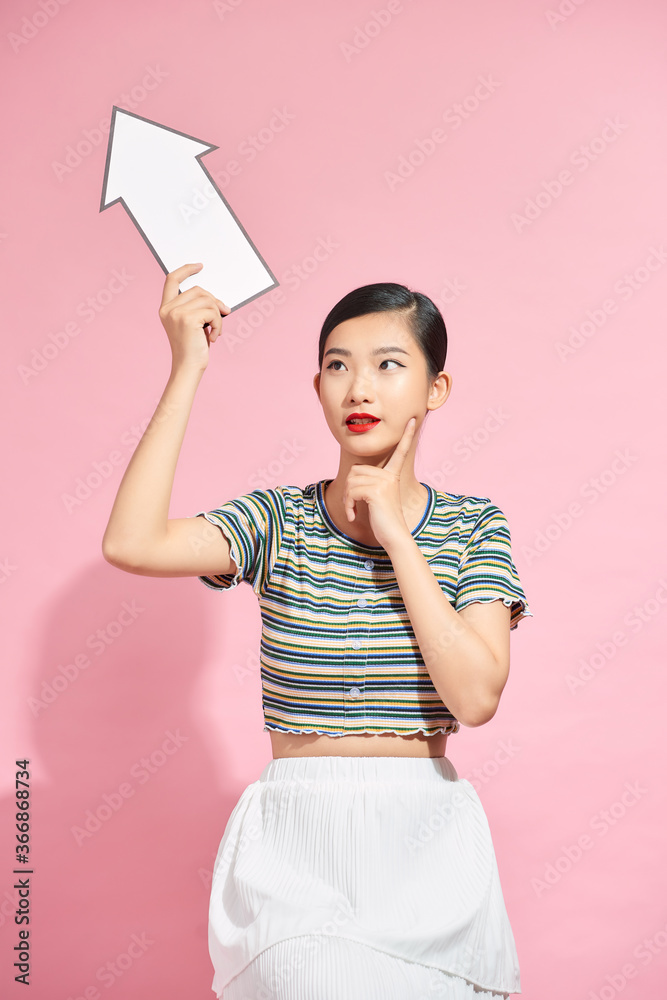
423, 318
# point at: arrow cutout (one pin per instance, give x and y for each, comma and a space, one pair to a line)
182, 215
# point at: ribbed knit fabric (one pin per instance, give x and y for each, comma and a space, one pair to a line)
338, 653
345, 877
323, 967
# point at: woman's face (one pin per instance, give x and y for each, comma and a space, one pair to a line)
372, 364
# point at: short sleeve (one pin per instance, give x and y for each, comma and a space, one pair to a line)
254, 525
486, 567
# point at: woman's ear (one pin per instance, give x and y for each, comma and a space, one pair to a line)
316, 383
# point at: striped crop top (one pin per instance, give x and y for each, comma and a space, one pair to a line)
338, 653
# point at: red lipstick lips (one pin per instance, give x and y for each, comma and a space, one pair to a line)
367, 420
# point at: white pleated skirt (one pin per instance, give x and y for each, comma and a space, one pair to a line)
354, 878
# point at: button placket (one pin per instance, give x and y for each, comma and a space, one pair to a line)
355, 665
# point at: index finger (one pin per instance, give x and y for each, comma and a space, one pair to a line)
171, 290
409, 430
403, 446
173, 280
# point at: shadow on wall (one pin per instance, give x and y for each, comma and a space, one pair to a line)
127, 825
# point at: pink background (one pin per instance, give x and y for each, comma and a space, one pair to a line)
589, 922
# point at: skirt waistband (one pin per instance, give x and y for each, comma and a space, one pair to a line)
354, 769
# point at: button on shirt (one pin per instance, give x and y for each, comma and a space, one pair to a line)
338, 653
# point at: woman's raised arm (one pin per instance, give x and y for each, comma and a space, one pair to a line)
139, 537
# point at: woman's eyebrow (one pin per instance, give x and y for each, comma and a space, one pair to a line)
378, 350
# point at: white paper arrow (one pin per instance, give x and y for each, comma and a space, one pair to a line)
157, 174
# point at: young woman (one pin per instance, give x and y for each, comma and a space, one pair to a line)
358, 864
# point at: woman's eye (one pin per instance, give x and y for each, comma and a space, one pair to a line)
386, 361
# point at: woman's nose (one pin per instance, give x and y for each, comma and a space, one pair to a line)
362, 386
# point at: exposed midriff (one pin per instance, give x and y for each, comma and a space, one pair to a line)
358, 745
